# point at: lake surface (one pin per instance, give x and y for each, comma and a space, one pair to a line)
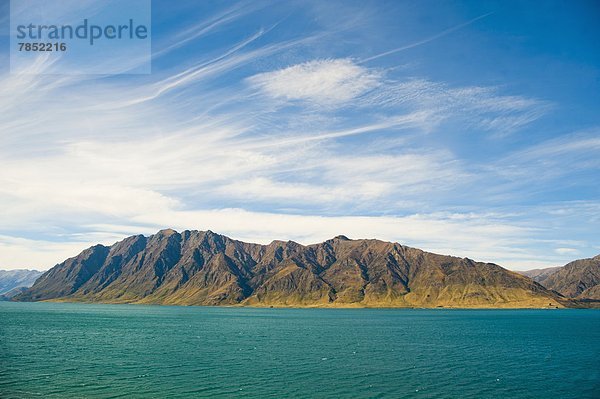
62, 350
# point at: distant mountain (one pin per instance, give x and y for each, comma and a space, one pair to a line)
204, 268
11, 279
579, 279
540, 275
7, 296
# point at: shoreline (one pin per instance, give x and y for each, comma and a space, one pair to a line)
595, 305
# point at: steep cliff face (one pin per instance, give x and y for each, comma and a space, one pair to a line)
204, 268
579, 279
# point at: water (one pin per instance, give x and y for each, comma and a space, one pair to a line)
58, 350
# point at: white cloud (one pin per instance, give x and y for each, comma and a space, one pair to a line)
566, 251
320, 82
22, 253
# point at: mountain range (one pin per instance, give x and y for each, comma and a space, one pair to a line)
540, 275
205, 268
13, 282
579, 279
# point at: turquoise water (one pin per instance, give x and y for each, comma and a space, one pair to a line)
56, 350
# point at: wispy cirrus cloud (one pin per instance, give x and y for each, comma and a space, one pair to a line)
208, 26
483, 108
568, 160
427, 39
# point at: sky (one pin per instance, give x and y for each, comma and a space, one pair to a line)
469, 128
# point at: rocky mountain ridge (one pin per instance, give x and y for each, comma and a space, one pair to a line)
205, 268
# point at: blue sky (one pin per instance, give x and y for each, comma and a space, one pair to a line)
466, 128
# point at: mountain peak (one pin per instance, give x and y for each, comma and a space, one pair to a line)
166, 232
283, 243
340, 237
